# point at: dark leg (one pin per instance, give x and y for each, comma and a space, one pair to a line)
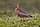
21, 19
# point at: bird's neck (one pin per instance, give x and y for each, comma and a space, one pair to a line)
17, 9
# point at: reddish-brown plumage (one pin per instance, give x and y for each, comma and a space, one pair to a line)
21, 13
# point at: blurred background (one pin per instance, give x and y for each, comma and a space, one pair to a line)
30, 6
8, 16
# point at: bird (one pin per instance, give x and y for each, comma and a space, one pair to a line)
20, 13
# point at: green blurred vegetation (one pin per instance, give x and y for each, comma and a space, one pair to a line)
15, 22
8, 16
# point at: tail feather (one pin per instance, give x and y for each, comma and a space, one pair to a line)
29, 16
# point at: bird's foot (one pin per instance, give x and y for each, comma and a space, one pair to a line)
22, 20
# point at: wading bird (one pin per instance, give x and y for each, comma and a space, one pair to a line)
21, 13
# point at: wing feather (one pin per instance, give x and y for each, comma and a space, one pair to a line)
23, 13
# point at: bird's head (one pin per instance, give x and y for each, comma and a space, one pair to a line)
17, 6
